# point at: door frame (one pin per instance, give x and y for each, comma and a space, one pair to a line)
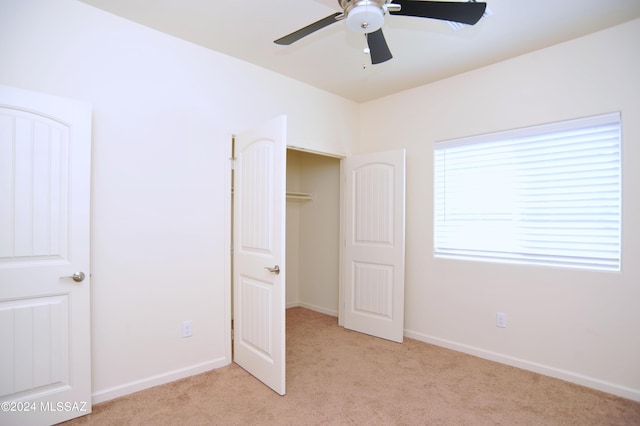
228, 241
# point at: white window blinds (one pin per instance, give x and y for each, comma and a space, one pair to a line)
546, 195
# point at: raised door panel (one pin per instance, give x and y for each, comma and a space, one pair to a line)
34, 176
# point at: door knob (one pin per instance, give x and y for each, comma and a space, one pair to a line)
77, 277
275, 269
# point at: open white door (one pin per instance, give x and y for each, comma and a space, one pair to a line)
259, 252
374, 247
45, 158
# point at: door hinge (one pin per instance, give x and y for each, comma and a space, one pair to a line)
232, 161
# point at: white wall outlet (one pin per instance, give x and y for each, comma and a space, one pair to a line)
187, 329
501, 319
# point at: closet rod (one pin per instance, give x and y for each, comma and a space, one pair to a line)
300, 196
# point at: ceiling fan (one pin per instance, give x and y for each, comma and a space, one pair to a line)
367, 17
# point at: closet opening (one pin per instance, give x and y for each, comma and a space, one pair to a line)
313, 226
313, 231
303, 235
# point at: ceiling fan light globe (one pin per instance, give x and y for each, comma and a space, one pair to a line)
365, 19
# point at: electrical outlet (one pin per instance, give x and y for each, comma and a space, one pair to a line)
501, 319
187, 329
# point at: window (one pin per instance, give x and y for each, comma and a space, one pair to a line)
547, 195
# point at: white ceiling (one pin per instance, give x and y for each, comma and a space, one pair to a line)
424, 50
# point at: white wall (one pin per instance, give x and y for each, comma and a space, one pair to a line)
162, 113
293, 231
313, 232
320, 233
579, 325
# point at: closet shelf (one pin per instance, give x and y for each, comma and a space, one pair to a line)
302, 196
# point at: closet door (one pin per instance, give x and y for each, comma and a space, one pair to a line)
259, 252
374, 247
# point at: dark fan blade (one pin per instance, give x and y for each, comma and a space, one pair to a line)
378, 47
465, 12
303, 32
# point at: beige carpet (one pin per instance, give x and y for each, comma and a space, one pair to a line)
336, 376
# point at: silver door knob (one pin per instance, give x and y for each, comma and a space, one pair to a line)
77, 277
275, 269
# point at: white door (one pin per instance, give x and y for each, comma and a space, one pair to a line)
45, 369
374, 246
259, 252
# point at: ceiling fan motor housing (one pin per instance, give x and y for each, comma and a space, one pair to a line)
364, 16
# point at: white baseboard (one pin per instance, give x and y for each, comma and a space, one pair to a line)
316, 308
160, 379
601, 385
